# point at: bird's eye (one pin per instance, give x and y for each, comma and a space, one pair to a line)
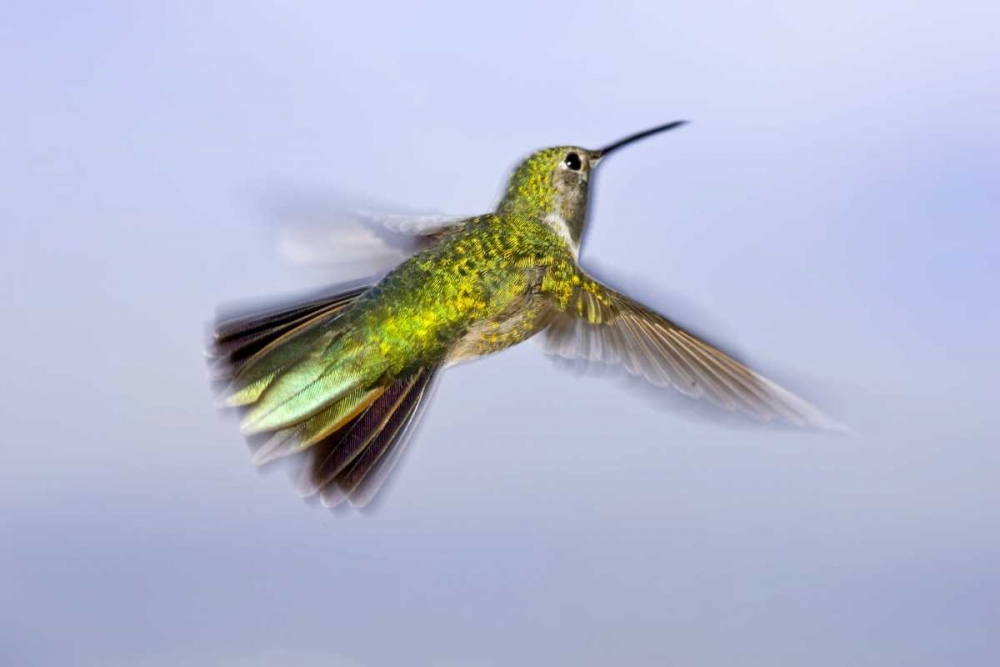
573, 161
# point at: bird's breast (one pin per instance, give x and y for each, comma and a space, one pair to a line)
519, 322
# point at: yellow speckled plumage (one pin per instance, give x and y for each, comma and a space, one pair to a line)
343, 376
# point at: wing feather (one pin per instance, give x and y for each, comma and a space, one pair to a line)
600, 325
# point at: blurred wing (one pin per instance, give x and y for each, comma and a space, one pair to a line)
600, 325
343, 232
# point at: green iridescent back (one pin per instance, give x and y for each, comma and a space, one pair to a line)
482, 275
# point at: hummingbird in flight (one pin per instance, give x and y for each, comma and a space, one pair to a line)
341, 379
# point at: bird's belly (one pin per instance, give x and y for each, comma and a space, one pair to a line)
509, 328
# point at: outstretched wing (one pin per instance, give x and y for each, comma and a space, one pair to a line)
597, 324
346, 232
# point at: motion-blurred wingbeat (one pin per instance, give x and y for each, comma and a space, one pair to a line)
342, 378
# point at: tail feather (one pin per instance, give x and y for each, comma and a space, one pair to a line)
361, 480
314, 378
305, 384
339, 451
252, 354
238, 339
315, 429
239, 327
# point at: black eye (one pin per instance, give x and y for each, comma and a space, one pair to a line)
573, 162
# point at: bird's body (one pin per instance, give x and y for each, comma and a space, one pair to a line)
482, 287
342, 377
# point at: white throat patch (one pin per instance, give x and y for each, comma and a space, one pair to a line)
559, 226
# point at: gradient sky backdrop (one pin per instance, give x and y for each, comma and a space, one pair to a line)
832, 212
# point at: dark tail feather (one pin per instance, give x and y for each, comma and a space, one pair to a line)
336, 453
237, 338
354, 462
363, 478
351, 462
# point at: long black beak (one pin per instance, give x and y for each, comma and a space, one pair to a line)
636, 137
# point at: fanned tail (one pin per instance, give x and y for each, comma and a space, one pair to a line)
238, 338
353, 463
304, 384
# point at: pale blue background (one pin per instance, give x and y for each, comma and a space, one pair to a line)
834, 209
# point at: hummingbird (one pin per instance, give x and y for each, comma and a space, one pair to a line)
341, 379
